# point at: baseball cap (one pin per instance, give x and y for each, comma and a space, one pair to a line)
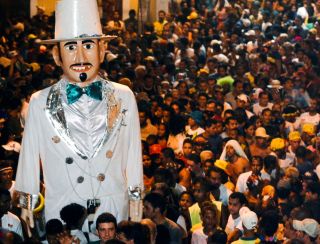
249, 218
309, 226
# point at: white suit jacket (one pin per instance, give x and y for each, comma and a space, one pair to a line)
69, 175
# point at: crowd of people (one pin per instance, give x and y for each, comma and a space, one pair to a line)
228, 97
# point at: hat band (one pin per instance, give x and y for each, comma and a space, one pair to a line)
6, 168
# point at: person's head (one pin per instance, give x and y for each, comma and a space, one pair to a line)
186, 200
307, 230
218, 237
73, 215
5, 201
231, 123
266, 116
132, 13
313, 191
249, 219
208, 214
263, 99
210, 127
201, 189
161, 15
256, 165
249, 129
106, 225
236, 201
277, 145
187, 147
6, 174
53, 228
154, 205
313, 105
261, 137
80, 56
269, 223
133, 232
270, 163
294, 140
215, 176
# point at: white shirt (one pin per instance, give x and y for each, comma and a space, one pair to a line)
11, 222
243, 178
307, 118
195, 132
232, 224
198, 237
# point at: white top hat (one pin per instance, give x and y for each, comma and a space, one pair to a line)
76, 20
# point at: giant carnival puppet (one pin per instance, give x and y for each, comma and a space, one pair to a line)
83, 130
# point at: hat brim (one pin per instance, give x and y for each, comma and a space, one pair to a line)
55, 41
275, 86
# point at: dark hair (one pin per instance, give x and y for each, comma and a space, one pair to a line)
106, 218
301, 152
270, 162
223, 175
72, 214
188, 140
168, 153
53, 227
240, 196
269, 222
187, 193
230, 118
133, 231
217, 237
5, 192
157, 201
204, 184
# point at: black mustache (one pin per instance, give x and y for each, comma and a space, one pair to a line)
80, 64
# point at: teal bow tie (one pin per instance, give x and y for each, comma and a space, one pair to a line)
75, 92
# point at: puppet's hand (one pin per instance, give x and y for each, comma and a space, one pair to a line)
27, 216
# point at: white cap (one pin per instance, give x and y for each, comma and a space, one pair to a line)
309, 226
250, 33
77, 19
249, 218
243, 97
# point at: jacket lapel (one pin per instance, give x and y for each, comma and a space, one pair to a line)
55, 113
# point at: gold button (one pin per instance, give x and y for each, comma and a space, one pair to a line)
101, 177
109, 154
56, 139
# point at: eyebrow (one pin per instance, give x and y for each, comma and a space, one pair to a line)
69, 43
87, 41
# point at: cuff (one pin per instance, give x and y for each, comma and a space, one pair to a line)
135, 193
28, 201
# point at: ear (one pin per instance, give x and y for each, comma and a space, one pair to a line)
56, 55
101, 51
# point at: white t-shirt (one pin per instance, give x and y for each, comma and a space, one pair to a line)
307, 118
232, 224
11, 222
243, 178
257, 109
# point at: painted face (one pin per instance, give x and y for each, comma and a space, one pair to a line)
76, 57
106, 231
